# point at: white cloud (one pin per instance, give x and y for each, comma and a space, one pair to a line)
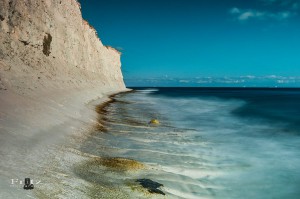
184, 81
285, 81
235, 11
250, 14
248, 77
203, 82
286, 9
247, 14
271, 77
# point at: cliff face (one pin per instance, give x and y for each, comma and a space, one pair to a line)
53, 68
45, 44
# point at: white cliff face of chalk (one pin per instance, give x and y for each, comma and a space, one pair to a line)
45, 44
53, 71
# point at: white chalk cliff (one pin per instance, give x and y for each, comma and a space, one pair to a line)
53, 71
46, 44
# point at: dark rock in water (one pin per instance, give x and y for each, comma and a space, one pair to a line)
151, 186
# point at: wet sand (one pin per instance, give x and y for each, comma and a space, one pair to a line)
39, 136
113, 176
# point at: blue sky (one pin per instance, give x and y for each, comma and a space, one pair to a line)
182, 41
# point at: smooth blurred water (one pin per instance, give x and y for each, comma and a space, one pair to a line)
212, 142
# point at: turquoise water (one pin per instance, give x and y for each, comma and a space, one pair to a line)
211, 143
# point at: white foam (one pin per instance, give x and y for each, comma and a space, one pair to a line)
148, 90
181, 194
193, 173
161, 152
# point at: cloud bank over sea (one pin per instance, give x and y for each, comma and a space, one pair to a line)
239, 81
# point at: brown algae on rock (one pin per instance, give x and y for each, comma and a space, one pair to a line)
119, 164
154, 121
106, 176
97, 168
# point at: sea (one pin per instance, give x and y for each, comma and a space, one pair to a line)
235, 143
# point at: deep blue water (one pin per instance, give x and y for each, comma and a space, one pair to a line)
212, 142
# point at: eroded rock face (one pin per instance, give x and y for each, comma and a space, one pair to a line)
47, 44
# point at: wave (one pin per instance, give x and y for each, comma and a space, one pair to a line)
145, 91
202, 147
194, 173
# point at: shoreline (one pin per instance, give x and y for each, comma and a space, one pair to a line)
105, 174
39, 131
102, 112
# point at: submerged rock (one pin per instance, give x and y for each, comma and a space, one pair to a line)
151, 186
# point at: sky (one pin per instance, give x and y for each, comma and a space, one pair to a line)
201, 42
